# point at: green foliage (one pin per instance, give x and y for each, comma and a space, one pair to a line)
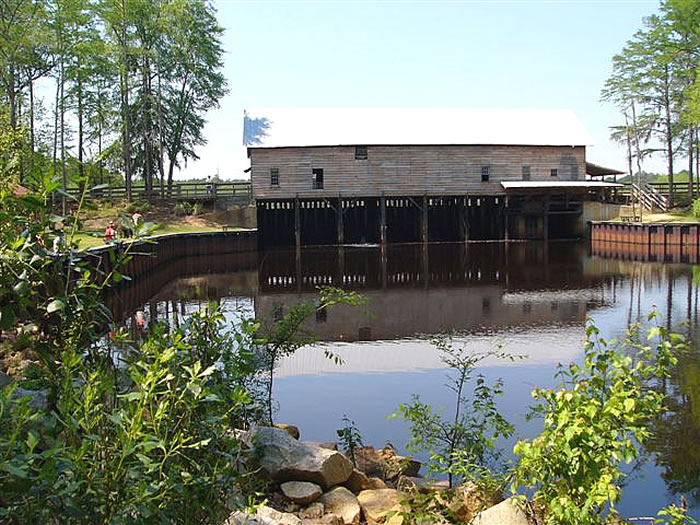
284, 334
696, 208
470, 437
146, 441
141, 206
350, 438
593, 421
183, 208
674, 515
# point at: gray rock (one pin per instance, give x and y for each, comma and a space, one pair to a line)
301, 492
285, 459
422, 485
357, 482
269, 516
376, 504
376, 483
241, 518
330, 445
328, 519
344, 503
289, 429
507, 512
313, 511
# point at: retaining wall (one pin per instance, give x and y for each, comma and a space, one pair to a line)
674, 242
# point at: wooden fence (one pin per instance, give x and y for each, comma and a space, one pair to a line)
238, 192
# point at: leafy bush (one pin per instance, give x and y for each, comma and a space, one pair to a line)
183, 208
142, 206
469, 436
696, 208
350, 438
151, 440
593, 421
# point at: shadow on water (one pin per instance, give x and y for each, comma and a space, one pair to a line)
532, 297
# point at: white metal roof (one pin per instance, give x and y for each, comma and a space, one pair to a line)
520, 185
275, 128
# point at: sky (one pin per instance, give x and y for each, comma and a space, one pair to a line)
418, 54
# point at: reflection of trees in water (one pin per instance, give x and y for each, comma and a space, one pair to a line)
676, 436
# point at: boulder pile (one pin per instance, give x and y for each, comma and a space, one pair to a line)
315, 484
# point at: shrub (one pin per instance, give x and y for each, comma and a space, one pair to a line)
593, 421
469, 437
696, 208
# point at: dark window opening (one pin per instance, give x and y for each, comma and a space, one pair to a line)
274, 177
485, 173
554, 172
526, 172
361, 152
321, 315
485, 305
574, 172
317, 174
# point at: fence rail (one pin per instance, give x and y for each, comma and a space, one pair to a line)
239, 192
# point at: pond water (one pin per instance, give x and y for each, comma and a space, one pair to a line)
531, 298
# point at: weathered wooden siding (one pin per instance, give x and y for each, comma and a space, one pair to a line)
408, 170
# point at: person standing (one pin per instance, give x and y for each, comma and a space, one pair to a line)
110, 232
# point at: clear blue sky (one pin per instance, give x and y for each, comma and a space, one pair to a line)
515, 54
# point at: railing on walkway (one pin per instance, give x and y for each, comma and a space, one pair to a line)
239, 192
649, 197
681, 191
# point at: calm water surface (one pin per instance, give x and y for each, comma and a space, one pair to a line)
532, 298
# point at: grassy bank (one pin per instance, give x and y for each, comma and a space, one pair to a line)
166, 218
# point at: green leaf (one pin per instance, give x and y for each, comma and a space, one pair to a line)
55, 305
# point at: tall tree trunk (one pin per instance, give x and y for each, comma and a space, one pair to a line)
691, 189
147, 128
629, 155
12, 96
32, 139
81, 165
64, 177
669, 138
55, 133
639, 157
161, 167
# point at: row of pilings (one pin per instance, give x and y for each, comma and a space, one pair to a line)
380, 220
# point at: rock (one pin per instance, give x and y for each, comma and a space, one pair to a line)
269, 516
385, 464
357, 482
328, 519
507, 512
289, 429
376, 504
240, 518
301, 492
285, 459
313, 511
330, 445
376, 483
409, 484
466, 501
344, 503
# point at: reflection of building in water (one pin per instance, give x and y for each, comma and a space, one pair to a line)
432, 288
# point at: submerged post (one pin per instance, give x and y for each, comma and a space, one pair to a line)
382, 220
424, 220
297, 223
339, 221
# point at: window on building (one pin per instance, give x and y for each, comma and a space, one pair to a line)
322, 315
361, 152
274, 177
485, 173
574, 172
554, 172
526, 172
317, 174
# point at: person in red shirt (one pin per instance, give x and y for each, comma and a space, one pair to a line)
110, 232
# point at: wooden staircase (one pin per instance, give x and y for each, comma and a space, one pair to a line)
649, 197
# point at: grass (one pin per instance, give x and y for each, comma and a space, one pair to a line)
91, 240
